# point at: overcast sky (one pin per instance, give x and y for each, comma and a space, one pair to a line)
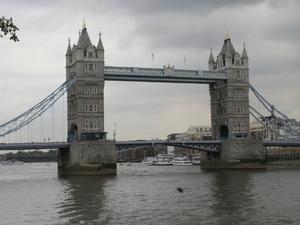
131, 31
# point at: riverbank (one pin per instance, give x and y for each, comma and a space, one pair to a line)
31, 156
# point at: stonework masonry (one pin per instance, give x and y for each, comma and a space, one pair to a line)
88, 158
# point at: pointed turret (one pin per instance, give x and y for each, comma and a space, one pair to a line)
227, 53
211, 57
69, 51
100, 49
227, 49
100, 44
245, 56
84, 40
211, 61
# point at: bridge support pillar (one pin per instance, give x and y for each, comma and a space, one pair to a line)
235, 154
88, 158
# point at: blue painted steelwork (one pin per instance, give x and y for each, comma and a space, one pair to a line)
207, 146
280, 124
34, 112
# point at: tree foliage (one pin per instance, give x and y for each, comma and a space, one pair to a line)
7, 27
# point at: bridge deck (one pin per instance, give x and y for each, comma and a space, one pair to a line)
283, 143
34, 145
167, 74
128, 144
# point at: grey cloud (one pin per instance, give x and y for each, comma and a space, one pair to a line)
156, 7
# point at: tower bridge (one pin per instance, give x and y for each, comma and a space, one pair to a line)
87, 150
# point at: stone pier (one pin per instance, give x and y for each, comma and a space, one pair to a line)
88, 158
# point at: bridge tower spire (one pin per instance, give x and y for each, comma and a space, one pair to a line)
89, 152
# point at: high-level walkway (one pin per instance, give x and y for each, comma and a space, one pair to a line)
166, 74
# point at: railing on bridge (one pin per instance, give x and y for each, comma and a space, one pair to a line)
166, 74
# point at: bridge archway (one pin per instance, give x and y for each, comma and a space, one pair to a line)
73, 134
224, 133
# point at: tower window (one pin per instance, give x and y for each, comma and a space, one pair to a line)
239, 109
86, 124
95, 108
238, 75
239, 127
91, 67
90, 54
91, 90
91, 108
95, 124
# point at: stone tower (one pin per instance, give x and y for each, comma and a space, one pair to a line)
230, 99
90, 152
230, 108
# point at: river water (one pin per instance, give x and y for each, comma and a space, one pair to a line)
140, 195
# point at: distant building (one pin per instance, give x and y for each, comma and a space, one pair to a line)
177, 137
199, 133
192, 133
267, 129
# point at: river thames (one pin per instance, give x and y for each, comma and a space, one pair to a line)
33, 194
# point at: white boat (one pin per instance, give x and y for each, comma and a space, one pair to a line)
11, 162
196, 160
148, 161
182, 161
162, 160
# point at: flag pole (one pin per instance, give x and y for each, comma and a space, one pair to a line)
152, 60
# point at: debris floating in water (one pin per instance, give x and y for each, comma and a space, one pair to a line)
180, 190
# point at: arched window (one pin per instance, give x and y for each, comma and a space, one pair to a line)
95, 124
224, 132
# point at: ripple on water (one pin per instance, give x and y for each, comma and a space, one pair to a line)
33, 194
